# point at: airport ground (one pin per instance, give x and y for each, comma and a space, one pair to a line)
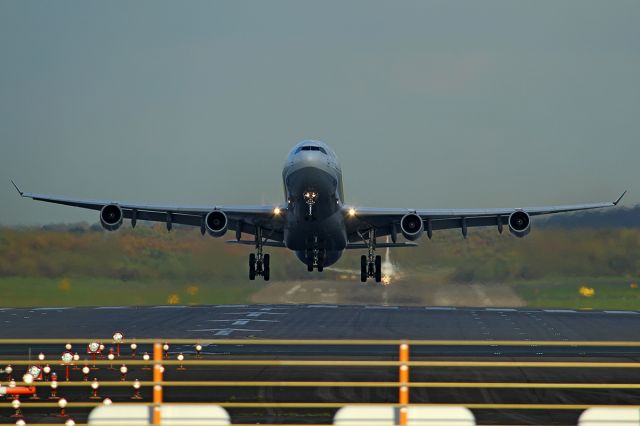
332, 321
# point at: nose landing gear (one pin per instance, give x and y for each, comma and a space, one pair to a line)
315, 259
259, 263
370, 264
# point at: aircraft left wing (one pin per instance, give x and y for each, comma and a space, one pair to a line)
241, 218
387, 221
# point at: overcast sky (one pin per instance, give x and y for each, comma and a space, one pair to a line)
427, 104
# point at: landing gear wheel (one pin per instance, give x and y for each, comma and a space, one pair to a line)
266, 267
320, 265
363, 268
310, 264
378, 274
252, 266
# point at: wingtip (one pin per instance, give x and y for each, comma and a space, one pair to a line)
17, 189
615, 203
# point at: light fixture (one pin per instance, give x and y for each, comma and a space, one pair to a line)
68, 346
276, 211
93, 348
76, 357
28, 379
117, 337
67, 358
35, 371
352, 212
40, 356
107, 401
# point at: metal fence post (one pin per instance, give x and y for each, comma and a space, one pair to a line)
157, 382
404, 380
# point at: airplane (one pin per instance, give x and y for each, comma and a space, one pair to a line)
314, 221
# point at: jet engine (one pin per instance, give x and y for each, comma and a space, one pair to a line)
216, 223
411, 226
519, 223
111, 217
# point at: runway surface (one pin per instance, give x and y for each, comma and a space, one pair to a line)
351, 322
321, 322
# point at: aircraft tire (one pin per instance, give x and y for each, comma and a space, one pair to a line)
378, 273
252, 266
363, 268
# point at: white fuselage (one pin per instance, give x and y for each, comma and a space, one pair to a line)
312, 180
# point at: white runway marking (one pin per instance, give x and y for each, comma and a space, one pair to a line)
243, 319
500, 309
322, 306
219, 329
111, 307
560, 311
622, 312
255, 314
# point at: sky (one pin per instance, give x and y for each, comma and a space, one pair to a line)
428, 104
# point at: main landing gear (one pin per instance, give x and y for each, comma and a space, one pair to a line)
259, 263
315, 259
370, 264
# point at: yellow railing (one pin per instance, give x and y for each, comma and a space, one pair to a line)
403, 363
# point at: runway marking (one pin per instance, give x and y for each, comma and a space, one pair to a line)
111, 307
621, 312
500, 309
243, 319
560, 311
322, 306
4, 309
169, 306
293, 290
224, 329
440, 308
255, 314
380, 307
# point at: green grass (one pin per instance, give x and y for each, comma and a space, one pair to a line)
28, 292
610, 293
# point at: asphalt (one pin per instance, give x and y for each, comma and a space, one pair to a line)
349, 322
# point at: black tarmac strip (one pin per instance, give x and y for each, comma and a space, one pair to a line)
343, 322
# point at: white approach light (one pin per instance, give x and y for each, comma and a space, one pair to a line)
40, 356
28, 379
276, 211
68, 346
76, 357
124, 369
67, 358
107, 401
352, 212
34, 370
117, 337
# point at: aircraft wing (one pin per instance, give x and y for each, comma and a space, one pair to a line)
242, 218
386, 220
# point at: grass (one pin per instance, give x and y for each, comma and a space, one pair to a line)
27, 292
609, 293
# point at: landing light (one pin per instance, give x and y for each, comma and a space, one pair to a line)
276, 211
352, 212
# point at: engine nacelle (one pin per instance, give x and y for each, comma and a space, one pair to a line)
411, 226
519, 223
111, 217
216, 223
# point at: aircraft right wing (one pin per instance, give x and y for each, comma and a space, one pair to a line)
389, 221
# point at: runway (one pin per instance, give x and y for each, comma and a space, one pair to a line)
321, 322
353, 322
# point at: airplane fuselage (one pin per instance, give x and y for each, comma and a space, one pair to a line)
312, 179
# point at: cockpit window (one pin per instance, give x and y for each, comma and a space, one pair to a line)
311, 148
